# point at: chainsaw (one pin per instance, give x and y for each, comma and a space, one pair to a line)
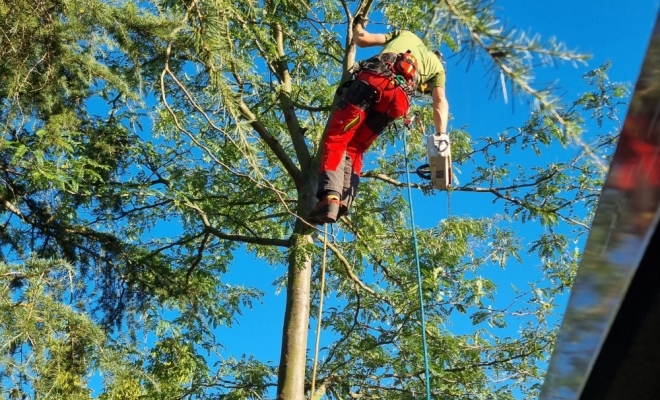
438, 155
438, 168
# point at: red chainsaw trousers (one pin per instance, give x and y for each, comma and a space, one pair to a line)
361, 116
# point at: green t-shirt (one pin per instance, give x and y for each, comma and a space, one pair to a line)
431, 71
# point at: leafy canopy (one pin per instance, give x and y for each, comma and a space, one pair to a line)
145, 144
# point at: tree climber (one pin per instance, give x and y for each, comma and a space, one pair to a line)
381, 93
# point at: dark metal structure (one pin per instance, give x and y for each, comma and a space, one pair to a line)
609, 343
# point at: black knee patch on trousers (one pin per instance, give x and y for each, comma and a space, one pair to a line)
377, 121
360, 94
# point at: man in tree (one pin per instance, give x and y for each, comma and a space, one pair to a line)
380, 93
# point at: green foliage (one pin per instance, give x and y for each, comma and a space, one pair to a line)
144, 144
48, 345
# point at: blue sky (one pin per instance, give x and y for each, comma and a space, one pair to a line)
606, 29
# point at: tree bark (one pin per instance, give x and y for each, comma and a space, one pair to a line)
293, 358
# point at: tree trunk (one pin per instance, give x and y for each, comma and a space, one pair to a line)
293, 358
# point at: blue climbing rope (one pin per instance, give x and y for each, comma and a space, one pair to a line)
419, 270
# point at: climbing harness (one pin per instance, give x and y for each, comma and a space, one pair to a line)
407, 125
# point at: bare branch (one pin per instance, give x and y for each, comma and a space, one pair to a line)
237, 238
272, 143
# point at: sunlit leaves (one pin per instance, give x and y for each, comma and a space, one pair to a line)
149, 143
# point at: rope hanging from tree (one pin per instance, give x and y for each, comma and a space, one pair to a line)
427, 376
320, 315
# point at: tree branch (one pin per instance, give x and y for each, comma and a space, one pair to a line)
272, 143
310, 108
237, 238
286, 105
349, 269
495, 362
